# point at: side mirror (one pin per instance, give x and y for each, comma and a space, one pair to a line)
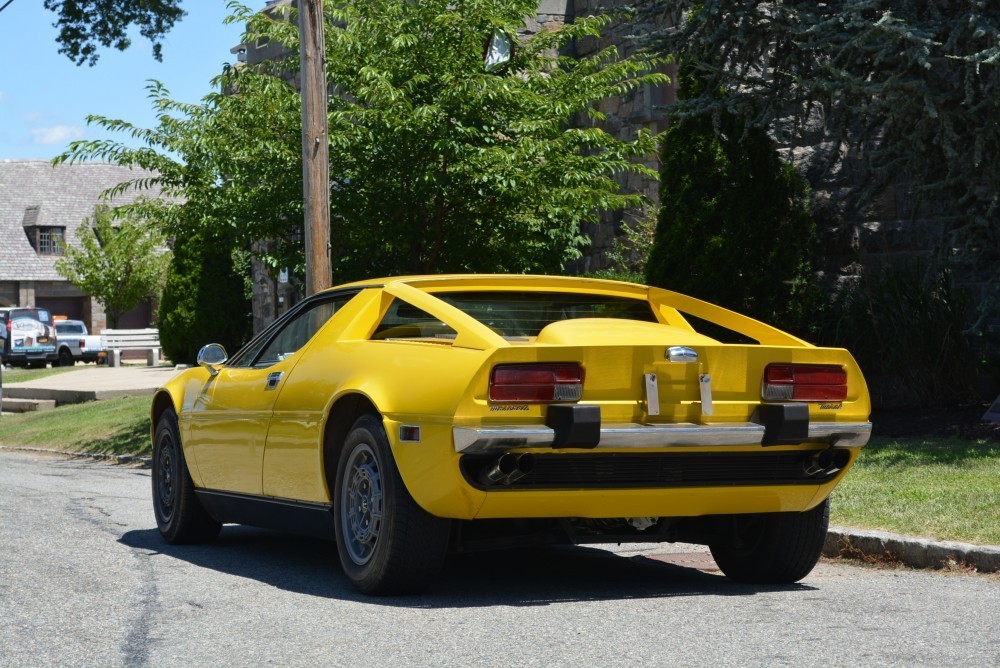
211, 357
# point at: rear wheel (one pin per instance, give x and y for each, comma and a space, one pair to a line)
387, 543
180, 517
66, 357
773, 548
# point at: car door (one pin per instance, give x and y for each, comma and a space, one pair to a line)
227, 427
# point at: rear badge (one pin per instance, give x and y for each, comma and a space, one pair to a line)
682, 354
832, 407
508, 409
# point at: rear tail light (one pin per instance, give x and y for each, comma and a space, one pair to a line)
83, 344
804, 382
536, 383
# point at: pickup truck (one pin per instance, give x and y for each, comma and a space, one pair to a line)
74, 344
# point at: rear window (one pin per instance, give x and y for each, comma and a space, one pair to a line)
518, 314
68, 328
39, 314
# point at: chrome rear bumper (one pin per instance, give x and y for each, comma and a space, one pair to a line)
500, 438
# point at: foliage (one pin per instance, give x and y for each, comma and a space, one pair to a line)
437, 165
913, 87
734, 228
231, 164
204, 300
630, 248
120, 261
86, 24
905, 325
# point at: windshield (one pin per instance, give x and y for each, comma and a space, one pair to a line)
517, 314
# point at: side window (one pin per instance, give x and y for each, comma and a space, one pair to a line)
297, 331
403, 321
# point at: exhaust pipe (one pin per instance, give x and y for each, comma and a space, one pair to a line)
508, 468
826, 462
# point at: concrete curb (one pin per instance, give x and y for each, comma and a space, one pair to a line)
912, 551
143, 462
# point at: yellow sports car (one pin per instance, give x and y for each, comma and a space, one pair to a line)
410, 417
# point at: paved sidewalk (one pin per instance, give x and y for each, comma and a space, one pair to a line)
92, 382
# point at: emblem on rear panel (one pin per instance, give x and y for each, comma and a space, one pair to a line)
682, 354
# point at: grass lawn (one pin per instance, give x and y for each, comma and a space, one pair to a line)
944, 488
115, 426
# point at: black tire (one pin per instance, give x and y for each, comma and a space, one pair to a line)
180, 517
65, 358
387, 543
773, 548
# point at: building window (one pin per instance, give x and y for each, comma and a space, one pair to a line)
47, 240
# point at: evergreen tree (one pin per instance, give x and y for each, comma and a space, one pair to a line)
913, 86
204, 300
733, 227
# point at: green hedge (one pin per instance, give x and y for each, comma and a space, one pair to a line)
734, 227
204, 300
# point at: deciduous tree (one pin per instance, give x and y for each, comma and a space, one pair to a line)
437, 164
86, 25
120, 261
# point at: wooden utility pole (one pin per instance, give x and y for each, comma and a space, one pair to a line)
315, 146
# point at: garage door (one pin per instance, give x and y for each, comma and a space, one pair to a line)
71, 307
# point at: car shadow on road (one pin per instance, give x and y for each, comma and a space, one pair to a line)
540, 576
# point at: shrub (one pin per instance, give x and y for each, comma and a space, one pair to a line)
734, 227
906, 326
204, 301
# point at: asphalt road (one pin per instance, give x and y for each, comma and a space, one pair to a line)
85, 580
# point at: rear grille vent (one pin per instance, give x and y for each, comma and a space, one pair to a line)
627, 470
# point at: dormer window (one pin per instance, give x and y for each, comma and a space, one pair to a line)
51, 240
45, 239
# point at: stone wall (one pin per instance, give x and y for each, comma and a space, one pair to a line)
626, 115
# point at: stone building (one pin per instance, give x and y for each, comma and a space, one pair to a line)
41, 207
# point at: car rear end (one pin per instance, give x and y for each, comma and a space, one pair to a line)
604, 401
619, 430
28, 336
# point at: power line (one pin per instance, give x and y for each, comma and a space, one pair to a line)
5, 5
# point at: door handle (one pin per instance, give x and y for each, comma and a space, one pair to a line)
272, 380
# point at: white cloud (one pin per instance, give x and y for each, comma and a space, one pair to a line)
57, 135
33, 116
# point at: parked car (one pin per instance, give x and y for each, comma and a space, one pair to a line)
27, 336
406, 417
74, 344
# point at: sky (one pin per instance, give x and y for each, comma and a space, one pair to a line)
45, 99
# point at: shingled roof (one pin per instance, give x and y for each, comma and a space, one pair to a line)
34, 192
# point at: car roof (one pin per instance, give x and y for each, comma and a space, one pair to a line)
432, 282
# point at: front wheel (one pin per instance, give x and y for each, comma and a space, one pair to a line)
772, 548
180, 517
387, 543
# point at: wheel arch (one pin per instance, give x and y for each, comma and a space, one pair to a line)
161, 402
343, 414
